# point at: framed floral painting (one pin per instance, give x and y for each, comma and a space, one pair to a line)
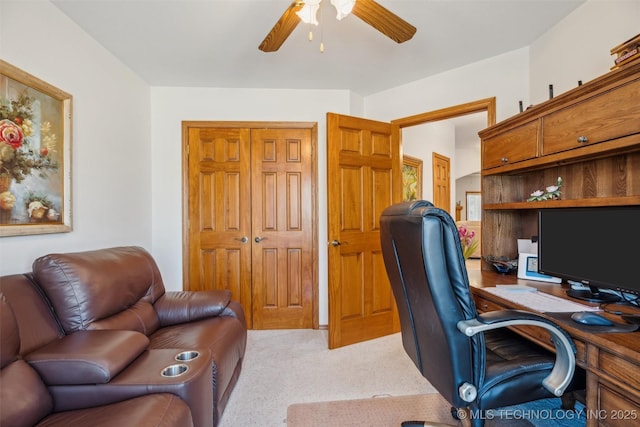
411, 178
35, 155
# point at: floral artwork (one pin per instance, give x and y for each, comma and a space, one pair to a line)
34, 122
411, 178
550, 193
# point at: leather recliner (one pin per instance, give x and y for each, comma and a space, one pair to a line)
99, 327
25, 400
471, 359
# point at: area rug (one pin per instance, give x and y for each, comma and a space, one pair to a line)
381, 412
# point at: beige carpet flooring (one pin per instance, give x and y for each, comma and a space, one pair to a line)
284, 367
381, 412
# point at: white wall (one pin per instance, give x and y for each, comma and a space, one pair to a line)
422, 141
170, 106
579, 47
468, 160
505, 76
111, 171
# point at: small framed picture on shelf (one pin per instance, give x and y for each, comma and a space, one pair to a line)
528, 269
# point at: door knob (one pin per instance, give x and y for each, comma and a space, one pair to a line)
243, 239
259, 239
335, 243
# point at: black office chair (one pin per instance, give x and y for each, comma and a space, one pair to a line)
473, 362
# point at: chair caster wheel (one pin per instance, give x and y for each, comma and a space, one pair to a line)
454, 413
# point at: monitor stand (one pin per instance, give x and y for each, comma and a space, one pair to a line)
593, 295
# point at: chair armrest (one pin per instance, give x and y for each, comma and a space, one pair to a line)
181, 307
87, 357
563, 369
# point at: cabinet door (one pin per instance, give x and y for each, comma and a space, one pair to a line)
515, 145
607, 116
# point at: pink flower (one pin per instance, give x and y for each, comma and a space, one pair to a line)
467, 241
11, 133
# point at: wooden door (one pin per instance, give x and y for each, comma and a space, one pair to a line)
218, 212
441, 182
363, 178
282, 260
250, 219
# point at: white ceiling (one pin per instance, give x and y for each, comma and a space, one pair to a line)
214, 43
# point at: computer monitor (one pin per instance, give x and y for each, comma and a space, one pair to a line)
593, 246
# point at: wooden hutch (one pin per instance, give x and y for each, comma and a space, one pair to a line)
590, 137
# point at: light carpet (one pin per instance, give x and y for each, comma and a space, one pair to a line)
381, 412
391, 411
282, 367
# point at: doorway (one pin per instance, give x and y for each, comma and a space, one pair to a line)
410, 128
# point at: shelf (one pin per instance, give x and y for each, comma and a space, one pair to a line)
599, 201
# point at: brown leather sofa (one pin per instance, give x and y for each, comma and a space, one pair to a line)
99, 331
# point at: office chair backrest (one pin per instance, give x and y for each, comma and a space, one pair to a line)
423, 258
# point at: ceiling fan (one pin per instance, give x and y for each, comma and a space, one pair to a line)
374, 14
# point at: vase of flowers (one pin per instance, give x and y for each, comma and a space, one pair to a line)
468, 241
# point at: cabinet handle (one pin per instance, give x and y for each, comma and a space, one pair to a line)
504, 159
583, 139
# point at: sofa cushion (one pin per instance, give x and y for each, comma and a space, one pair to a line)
37, 323
87, 357
23, 397
154, 410
86, 287
9, 333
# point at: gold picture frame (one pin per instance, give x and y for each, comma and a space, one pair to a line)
35, 155
411, 178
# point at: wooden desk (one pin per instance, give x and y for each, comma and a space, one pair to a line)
611, 360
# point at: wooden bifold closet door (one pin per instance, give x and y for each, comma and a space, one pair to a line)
250, 209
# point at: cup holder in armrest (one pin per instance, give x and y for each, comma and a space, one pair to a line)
185, 356
174, 370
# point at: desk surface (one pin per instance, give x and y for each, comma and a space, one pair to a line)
627, 344
611, 360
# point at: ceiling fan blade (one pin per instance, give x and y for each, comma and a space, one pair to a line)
383, 20
285, 25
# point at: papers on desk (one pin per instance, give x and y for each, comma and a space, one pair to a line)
538, 301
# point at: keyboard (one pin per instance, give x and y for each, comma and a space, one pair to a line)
540, 301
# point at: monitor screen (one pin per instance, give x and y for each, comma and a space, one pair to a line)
595, 246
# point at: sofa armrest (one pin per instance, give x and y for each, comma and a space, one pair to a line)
87, 357
181, 307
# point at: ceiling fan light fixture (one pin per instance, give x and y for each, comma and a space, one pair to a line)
343, 7
308, 12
